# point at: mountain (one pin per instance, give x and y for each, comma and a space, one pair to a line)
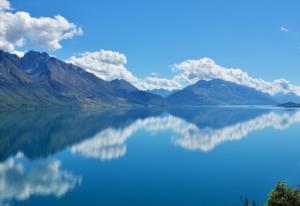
135, 96
289, 105
219, 92
163, 92
17, 88
123, 85
38, 80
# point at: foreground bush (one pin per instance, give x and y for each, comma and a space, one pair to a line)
284, 196
281, 195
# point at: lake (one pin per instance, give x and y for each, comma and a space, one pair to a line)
159, 156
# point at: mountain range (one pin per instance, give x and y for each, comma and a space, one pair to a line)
39, 80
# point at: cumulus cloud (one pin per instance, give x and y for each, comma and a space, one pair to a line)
18, 29
206, 69
105, 64
158, 83
4, 5
21, 178
109, 65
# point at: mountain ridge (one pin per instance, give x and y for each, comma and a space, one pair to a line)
46, 78
219, 92
40, 80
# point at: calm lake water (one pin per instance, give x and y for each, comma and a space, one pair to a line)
195, 156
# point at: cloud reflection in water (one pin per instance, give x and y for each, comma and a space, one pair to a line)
21, 178
109, 143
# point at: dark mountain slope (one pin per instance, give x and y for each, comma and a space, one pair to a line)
126, 90
67, 80
121, 84
38, 80
17, 88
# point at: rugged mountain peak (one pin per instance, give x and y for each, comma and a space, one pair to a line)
12, 57
36, 54
32, 60
40, 80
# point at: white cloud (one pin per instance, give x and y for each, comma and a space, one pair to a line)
158, 83
105, 64
206, 69
109, 65
18, 29
4, 5
284, 29
19, 53
21, 178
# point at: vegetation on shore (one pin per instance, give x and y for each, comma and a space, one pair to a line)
281, 195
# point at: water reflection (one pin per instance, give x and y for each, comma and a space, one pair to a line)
110, 143
39, 134
103, 135
193, 137
21, 178
29, 140
203, 135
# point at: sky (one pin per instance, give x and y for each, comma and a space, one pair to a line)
167, 44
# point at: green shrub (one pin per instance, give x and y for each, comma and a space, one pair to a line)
283, 196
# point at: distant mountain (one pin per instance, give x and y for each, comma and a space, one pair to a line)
289, 105
219, 92
38, 80
163, 92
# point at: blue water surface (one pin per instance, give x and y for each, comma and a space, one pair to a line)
158, 156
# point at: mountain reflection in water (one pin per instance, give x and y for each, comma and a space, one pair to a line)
30, 139
103, 135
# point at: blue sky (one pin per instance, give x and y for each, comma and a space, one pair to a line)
154, 35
